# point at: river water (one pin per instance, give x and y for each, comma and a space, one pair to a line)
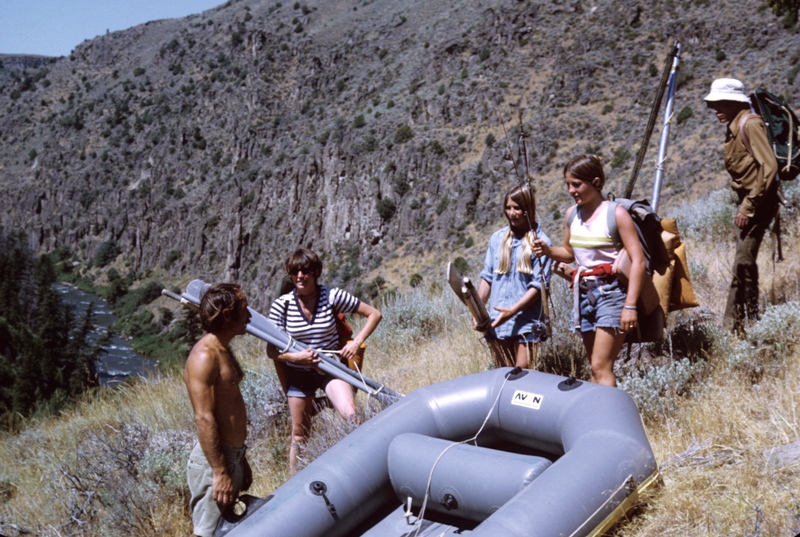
119, 361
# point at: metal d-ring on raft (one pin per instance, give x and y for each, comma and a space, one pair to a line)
264, 329
508, 452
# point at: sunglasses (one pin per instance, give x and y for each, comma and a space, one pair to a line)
294, 271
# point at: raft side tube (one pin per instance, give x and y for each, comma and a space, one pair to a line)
264, 329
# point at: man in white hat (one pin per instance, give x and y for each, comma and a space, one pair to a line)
752, 167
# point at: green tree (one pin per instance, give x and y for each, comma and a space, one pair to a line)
403, 134
461, 264
51, 324
788, 9
46, 358
82, 356
117, 286
106, 253
386, 208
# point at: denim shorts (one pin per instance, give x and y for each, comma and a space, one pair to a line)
601, 306
538, 334
305, 382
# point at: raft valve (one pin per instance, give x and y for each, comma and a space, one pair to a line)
449, 502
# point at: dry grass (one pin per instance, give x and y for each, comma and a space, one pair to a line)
129, 445
727, 483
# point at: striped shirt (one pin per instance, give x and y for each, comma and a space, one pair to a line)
591, 242
318, 332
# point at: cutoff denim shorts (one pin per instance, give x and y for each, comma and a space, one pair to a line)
537, 335
305, 382
601, 306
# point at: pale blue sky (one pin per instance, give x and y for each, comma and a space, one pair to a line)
56, 27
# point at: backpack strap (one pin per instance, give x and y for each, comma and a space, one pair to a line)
613, 229
572, 214
285, 313
743, 131
328, 289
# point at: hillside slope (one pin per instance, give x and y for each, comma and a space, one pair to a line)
215, 144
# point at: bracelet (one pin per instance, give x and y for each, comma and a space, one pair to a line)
629, 307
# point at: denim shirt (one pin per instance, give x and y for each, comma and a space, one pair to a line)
508, 288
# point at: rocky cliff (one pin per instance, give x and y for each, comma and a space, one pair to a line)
369, 130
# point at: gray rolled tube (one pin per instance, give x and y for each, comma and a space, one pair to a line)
264, 329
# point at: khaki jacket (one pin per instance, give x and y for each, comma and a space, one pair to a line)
752, 175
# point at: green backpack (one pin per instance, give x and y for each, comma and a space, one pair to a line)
783, 131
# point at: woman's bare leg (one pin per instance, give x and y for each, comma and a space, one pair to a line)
341, 396
300, 409
602, 348
526, 354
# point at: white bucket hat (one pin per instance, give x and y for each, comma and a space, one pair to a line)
727, 89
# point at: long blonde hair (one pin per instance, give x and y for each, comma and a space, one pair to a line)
522, 196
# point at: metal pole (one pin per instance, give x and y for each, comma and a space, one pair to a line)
662, 145
651, 121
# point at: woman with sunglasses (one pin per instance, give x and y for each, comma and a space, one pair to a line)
308, 314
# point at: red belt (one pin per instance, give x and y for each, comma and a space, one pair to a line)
600, 271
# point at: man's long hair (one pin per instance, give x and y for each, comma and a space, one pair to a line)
219, 299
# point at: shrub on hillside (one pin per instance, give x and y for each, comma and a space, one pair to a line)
708, 222
136, 298
621, 155
769, 341
403, 134
106, 253
657, 389
461, 264
693, 335
120, 476
412, 317
266, 403
563, 353
685, 113
386, 209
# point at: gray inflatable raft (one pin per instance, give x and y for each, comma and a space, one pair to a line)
548, 456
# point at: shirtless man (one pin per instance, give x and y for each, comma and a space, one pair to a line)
217, 468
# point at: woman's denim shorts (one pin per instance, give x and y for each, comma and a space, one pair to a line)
601, 304
304, 382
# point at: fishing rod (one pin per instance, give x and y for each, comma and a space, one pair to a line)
532, 221
264, 329
530, 203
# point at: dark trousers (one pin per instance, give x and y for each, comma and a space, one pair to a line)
743, 295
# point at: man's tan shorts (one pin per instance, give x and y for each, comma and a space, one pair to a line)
205, 511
